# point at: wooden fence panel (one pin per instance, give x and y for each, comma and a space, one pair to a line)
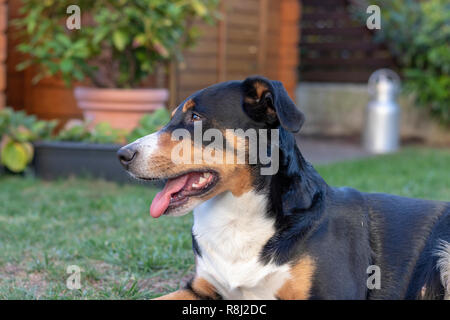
336, 48
254, 37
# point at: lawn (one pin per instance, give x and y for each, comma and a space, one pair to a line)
106, 230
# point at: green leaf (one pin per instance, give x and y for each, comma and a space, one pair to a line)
30, 151
66, 66
23, 65
15, 156
22, 133
199, 8
140, 39
150, 123
120, 39
64, 40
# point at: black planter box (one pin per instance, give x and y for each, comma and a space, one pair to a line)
53, 160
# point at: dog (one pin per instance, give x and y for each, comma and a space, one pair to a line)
286, 235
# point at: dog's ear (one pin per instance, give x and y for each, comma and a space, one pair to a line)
268, 101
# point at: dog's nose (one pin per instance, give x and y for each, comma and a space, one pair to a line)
126, 155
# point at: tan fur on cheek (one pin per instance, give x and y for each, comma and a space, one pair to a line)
298, 287
238, 180
235, 177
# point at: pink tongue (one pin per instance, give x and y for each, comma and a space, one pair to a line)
161, 201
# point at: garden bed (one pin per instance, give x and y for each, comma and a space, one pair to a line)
58, 159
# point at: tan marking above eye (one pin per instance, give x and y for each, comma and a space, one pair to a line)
188, 105
260, 87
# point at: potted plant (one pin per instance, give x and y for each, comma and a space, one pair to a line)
82, 149
118, 46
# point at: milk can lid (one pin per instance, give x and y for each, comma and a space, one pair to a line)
383, 81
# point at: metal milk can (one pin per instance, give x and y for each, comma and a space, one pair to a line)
382, 118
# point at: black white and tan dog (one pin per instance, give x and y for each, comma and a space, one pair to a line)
288, 235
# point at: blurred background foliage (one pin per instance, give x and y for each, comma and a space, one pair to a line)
418, 34
119, 44
103, 132
149, 123
18, 131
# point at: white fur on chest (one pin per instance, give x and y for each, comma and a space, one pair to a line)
231, 232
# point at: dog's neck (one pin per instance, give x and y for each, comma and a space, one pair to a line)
227, 212
296, 201
296, 185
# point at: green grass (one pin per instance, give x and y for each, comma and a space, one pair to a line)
106, 229
417, 173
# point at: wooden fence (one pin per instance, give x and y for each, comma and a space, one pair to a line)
254, 37
336, 48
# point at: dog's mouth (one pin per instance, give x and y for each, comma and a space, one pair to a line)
179, 189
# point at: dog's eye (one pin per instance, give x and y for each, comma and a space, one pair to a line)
195, 117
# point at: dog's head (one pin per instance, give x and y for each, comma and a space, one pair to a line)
206, 149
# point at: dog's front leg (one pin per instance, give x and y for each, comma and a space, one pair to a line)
197, 289
182, 294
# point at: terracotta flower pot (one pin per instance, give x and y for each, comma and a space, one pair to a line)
122, 108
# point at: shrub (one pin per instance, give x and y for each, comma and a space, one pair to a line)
104, 133
84, 132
